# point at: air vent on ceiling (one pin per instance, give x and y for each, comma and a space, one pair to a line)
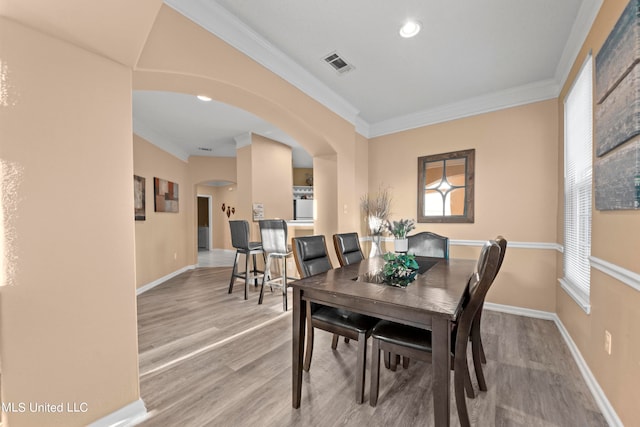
205, 149
338, 63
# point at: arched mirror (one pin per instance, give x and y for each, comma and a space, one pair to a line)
445, 187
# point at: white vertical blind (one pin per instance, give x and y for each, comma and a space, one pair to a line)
578, 110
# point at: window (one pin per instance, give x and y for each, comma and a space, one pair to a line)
578, 152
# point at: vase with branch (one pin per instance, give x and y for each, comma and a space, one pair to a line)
376, 209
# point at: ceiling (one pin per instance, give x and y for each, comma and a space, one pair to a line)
470, 57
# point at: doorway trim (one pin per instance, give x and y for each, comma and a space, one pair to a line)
210, 202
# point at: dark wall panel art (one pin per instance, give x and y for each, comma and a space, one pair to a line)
617, 115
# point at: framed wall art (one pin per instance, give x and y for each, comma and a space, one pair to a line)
166, 195
139, 196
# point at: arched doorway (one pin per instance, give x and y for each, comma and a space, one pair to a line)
216, 204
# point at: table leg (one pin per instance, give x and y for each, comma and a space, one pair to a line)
299, 317
441, 365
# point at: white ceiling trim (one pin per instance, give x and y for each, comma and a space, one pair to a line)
220, 22
242, 140
586, 16
514, 97
159, 140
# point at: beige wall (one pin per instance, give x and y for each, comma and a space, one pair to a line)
69, 144
164, 241
167, 242
68, 322
300, 175
515, 190
180, 56
272, 183
264, 176
615, 238
215, 169
226, 195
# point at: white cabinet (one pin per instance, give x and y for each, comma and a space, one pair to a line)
302, 192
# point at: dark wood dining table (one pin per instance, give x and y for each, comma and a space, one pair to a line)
433, 301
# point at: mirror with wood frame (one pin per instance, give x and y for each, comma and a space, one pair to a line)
445, 187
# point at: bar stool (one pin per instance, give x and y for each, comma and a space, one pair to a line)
240, 241
274, 244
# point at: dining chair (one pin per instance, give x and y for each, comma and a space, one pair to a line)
274, 243
425, 244
476, 339
310, 253
348, 251
348, 248
428, 244
416, 343
240, 241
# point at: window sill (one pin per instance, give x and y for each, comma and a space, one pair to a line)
579, 297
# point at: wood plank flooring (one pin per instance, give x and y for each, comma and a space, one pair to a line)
208, 358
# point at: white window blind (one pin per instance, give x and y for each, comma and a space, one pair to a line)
578, 122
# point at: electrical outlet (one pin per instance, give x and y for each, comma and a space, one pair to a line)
607, 342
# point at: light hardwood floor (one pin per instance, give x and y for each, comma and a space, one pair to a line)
208, 358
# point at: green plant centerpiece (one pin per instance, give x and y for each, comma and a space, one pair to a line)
399, 269
401, 228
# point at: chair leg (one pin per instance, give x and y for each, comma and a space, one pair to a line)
476, 350
468, 386
461, 379
483, 358
393, 361
234, 272
375, 371
387, 360
405, 362
475, 330
309, 351
361, 366
255, 271
264, 277
334, 341
461, 402
246, 276
284, 284
346, 340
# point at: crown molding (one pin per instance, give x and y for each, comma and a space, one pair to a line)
223, 24
538, 91
581, 26
159, 140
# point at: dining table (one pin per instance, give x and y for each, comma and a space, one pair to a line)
433, 301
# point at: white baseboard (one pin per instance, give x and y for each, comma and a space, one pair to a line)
126, 416
603, 403
163, 279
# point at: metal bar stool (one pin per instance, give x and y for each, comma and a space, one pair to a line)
274, 244
240, 241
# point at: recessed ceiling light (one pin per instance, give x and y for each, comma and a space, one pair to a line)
204, 98
410, 29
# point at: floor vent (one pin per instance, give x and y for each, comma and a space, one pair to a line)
338, 63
